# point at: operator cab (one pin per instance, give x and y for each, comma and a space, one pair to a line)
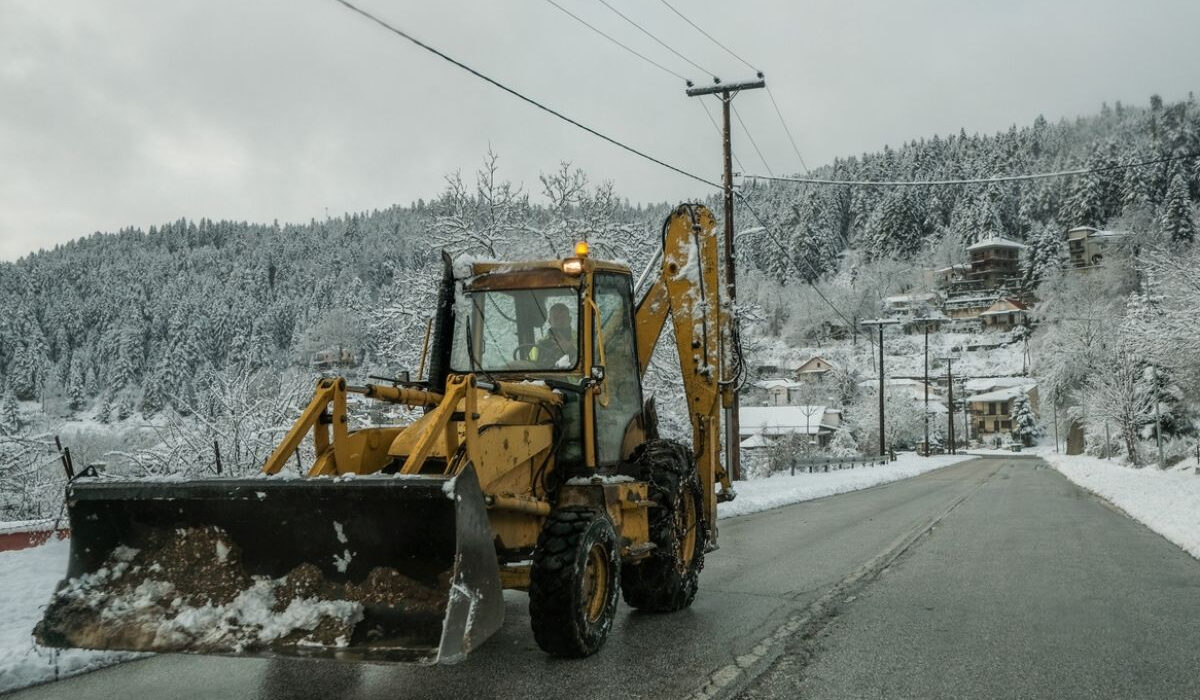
568, 322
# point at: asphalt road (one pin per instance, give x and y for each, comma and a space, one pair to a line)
769, 588
1031, 588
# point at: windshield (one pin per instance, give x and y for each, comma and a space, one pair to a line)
516, 330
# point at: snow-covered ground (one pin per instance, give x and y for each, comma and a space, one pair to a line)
28, 578
782, 490
1166, 501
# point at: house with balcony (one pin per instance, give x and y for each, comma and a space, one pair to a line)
1005, 314
991, 409
1087, 246
995, 263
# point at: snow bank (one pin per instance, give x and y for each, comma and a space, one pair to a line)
781, 490
1167, 502
29, 577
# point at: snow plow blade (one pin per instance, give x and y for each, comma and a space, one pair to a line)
362, 569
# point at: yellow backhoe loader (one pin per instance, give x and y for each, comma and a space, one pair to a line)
535, 465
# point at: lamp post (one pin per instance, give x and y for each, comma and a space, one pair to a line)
880, 323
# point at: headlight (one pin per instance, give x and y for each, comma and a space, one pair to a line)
572, 266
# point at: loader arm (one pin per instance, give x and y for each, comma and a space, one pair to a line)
687, 288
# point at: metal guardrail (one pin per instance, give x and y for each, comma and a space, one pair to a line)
827, 464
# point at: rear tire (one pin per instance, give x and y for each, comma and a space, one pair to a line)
574, 582
668, 579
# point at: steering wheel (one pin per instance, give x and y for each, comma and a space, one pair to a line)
521, 352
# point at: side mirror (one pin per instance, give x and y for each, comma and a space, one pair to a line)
597, 373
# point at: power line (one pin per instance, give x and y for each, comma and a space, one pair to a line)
401, 33
752, 141
786, 130
710, 36
659, 41
787, 255
746, 63
645, 58
795, 261
974, 181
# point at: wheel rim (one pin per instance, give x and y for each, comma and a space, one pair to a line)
595, 583
685, 524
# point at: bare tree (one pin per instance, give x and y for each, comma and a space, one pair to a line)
1116, 393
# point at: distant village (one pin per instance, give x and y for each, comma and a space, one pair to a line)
983, 296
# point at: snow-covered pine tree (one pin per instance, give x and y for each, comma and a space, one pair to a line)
843, 443
10, 413
1176, 419
125, 406
1044, 253
1135, 189
1085, 204
76, 389
1025, 425
1176, 217
104, 414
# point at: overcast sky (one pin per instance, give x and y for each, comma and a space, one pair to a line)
117, 113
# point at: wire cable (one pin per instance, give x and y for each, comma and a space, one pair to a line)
659, 41
746, 63
752, 141
645, 58
408, 37
710, 36
789, 256
783, 249
973, 181
786, 130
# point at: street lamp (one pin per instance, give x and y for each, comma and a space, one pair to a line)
880, 323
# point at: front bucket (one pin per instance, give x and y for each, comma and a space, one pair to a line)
371, 568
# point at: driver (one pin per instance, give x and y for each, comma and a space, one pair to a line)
559, 341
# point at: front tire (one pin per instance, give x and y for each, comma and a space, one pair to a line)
668, 579
574, 583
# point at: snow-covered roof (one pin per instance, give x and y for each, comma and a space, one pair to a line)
780, 420
996, 242
998, 395
894, 381
987, 384
910, 298
756, 440
986, 299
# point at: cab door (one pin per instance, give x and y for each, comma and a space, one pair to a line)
618, 401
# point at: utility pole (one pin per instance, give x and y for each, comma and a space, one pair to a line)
1056, 422
949, 360
729, 390
966, 414
925, 321
881, 322
1158, 420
